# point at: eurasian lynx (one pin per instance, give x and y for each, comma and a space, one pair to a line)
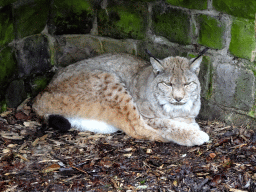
122, 92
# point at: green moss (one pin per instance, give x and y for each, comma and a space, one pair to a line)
191, 55
174, 24
3, 106
252, 112
211, 32
7, 67
31, 17
206, 78
73, 17
242, 38
40, 83
78, 6
238, 8
191, 4
6, 26
127, 20
130, 23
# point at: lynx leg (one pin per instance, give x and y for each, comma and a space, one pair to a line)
127, 117
180, 132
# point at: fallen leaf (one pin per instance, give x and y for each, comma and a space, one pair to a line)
53, 167
12, 145
127, 154
128, 149
217, 179
212, 155
6, 150
21, 116
21, 157
35, 142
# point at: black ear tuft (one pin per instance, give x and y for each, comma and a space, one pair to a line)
59, 123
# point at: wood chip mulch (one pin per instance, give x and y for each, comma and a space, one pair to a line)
33, 158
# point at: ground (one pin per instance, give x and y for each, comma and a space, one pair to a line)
35, 158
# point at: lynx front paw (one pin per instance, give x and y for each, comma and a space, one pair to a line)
198, 138
187, 137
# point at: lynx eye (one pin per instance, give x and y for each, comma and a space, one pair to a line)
187, 84
164, 86
163, 83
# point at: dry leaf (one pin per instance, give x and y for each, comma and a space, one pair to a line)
12, 145
53, 167
35, 142
237, 190
22, 157
127, 154
212, 155
128, 149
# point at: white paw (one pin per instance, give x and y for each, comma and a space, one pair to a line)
198, 138
187, 137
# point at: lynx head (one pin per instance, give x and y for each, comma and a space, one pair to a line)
176, 87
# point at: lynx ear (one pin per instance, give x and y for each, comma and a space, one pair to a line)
195, 65
157, 67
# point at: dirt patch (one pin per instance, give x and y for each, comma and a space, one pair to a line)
35, 159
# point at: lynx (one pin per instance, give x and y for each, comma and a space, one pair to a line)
156, 100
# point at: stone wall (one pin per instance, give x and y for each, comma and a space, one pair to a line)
39, 35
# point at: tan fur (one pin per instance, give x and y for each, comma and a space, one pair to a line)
128, 93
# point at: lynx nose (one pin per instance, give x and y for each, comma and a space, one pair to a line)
178, 99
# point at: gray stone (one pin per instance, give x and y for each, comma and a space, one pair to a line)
117, 46
158, 50
234, 87
32, 55
211, 111
73, 48
205, 78
15, 93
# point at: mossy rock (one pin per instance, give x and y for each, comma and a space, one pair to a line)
33, 55
211, 32
15, 93
206, 78
30, 16
39, 84
190, 4
124, 20
6, 27
6, 2
174, 24
72, 17
238, 8
242, 38
3, 106
8, 67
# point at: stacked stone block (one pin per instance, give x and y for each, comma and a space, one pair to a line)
38, 34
